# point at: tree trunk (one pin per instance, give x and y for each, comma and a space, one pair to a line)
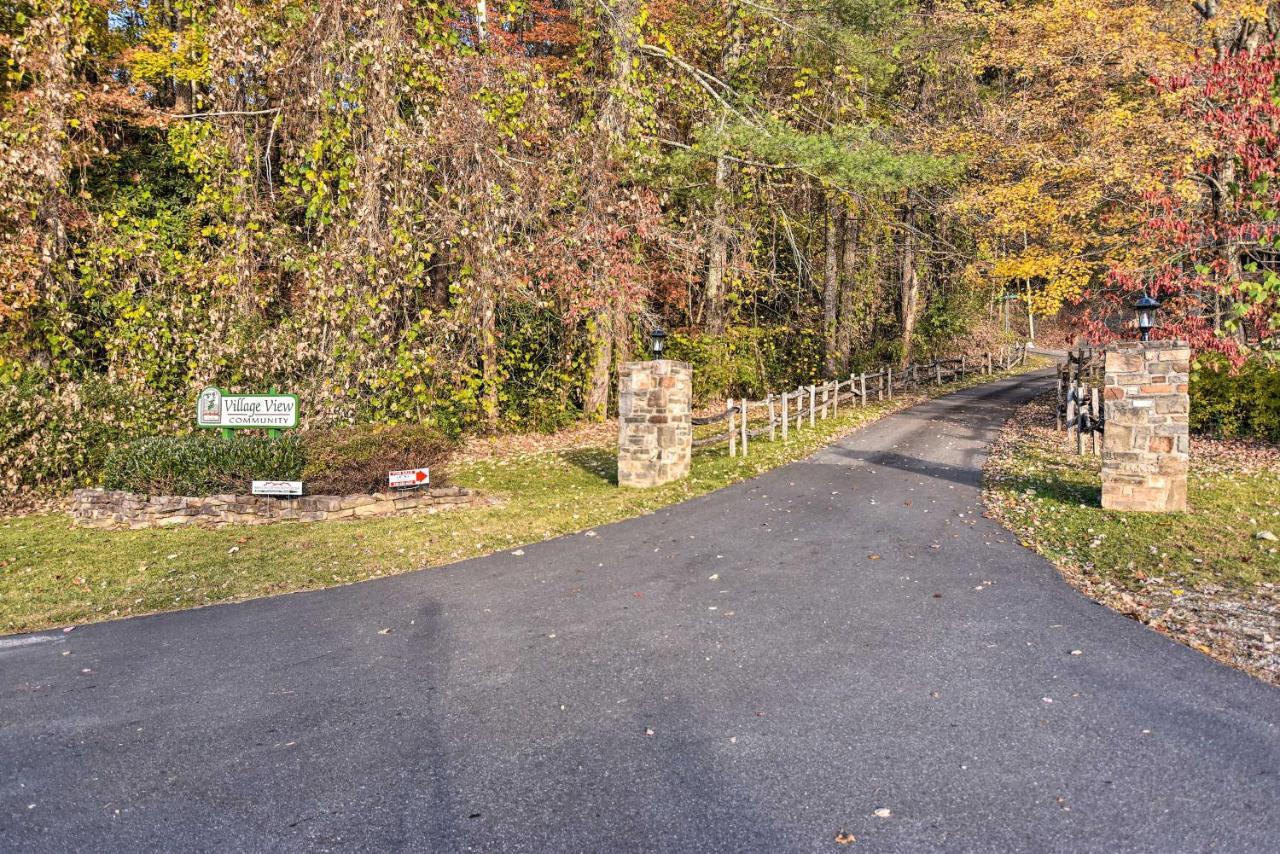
720, 234
845, 325
909, 284
612, 126
600, 340
488, 357
718, 250
831, 288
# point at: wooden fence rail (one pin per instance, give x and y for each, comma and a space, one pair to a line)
780, 413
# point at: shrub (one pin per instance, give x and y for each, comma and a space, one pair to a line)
55, 433
201, 464
1243, 403
345, 460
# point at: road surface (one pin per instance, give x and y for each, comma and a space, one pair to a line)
755, 670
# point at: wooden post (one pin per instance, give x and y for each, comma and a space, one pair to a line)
962, 365
746, 407
889, 380
862, 382
835, 401
733, 433
937, 364
1058, 402
773, 419
799, 406
824, 401
1081, 409
915, 374
786, 420
813, 404
1093, 411
1072, 423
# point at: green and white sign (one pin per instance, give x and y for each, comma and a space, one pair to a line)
216, 410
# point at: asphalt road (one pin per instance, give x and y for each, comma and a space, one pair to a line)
756, 670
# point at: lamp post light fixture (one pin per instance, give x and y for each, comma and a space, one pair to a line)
657, 340
1146, 308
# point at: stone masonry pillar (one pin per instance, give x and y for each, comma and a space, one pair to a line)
1146, 443
655, 427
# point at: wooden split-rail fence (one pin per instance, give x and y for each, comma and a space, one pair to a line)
1079, 405
778, 414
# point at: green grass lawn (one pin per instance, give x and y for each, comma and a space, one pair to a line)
1051, 497
53, 573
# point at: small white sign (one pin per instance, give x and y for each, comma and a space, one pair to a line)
1142, 404
406, 478
277, 487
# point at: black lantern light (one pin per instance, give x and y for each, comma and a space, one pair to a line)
1146, 308
657, 339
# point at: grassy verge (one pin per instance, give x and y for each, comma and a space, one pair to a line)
52, 573
1210, 577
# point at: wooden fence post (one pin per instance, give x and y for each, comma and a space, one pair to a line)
1072, 422
733, 433
1093, 421
786, 421
937, 364
1058, 402
799, 406
746, 407
962, 365
889, 380
773, 419
824, 401
835, 401
813, 404
862, 380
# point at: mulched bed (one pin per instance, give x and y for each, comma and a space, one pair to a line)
1239, 626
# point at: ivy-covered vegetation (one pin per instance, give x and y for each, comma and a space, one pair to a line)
1234, 403
465, 214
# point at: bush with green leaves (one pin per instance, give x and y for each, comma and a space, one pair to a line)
1240, 403
55, 432
347, 460
201, 464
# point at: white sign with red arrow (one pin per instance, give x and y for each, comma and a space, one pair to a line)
406, 478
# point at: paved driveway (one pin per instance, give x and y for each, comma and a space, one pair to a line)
754, 670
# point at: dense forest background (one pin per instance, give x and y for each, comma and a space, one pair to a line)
468, 214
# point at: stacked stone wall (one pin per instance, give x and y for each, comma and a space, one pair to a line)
102, 508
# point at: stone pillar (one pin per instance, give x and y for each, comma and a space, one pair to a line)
655, 427
1146, 445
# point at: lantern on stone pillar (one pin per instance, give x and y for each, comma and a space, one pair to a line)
657, 341
1146, 309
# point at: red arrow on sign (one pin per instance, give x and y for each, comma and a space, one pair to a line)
420, 476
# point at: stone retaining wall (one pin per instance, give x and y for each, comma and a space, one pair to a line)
101, 508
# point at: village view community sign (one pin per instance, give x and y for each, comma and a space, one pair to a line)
214, 409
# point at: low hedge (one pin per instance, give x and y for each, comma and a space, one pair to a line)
338, 461
347, 460
201, 464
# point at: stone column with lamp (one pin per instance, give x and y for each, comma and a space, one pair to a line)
655, 419
1146, 441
